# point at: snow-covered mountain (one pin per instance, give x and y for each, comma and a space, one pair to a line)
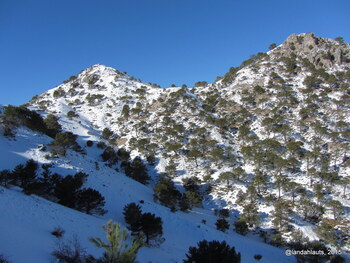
268, 141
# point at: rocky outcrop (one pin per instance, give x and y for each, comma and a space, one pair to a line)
322, 52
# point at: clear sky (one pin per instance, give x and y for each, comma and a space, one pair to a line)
44, 42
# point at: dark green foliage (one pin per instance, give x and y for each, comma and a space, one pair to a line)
340, 40
109, 155
336, 208
123, 155
151, 159
24, 175
166, 193
64, 141
222, 224
67, 189
52, 125
126, 111
241, 227
137, 170
311, 81
272, 46
58, 93
192, 198
223, 213
250, 214
5, 177
151, 226
191, 183
72, 114
230, 75
132, 216
23, 116
201, 84
212, 252
327, 232
90, 201
92, 99
146, 223
89, 143
281, 214
259, 90
101, 145
106, 133
170, 169
116, 248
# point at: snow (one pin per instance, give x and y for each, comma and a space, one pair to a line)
29, 220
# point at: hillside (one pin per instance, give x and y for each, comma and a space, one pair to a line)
268, 141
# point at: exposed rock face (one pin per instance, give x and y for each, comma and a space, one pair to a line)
322, 52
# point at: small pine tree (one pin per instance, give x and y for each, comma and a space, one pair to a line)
24, 175
106, 133
137, 170
53, 126
116, 250
109, 155
166, 193
64, 141
241, 227
90, 201
222, 224
123, 155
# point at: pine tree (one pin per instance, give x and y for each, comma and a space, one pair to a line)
106, 133
166, 193
67, 189
126, 111
170, 169
336, 207
222, 224
281, 214
90, 201
64, 141
116, 249
137, 170
52, 124
151, 226
5, 177
132, 215
24, 175
227, 177
241, 227
250, 214
212, 252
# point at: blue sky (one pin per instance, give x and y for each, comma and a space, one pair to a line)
44, 42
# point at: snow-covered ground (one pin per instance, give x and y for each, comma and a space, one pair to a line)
27, 221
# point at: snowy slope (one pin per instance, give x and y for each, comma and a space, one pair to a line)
30, 219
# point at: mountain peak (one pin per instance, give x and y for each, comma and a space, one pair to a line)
322, 52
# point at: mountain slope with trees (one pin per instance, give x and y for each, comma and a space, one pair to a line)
262, 151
